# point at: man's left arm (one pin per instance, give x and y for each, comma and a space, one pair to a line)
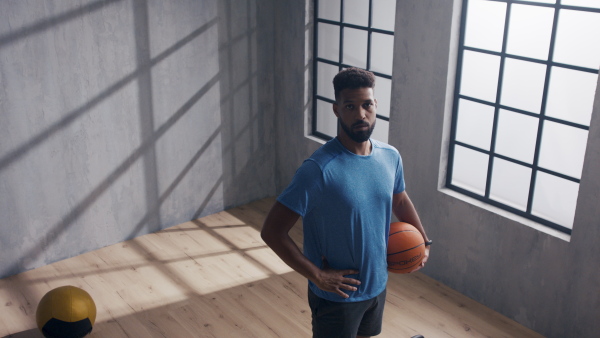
405, 212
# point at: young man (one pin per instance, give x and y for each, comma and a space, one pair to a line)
345, 192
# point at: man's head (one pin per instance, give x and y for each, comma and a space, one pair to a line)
355, 105
352, 78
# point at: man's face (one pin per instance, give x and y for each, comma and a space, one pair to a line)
356, 110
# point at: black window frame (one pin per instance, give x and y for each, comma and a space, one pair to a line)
316, 59
549, 63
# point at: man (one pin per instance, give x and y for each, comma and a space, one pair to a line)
345, 193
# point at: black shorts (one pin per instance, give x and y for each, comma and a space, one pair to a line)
346, 319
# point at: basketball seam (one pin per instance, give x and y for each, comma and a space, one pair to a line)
395, 253
397, 232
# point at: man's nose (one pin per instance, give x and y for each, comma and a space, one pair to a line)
362, 113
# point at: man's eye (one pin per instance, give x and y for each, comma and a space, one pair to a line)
350, 106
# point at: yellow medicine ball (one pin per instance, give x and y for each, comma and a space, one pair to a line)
66, 311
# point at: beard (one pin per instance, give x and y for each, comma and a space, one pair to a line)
358, 136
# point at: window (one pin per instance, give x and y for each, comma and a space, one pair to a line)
352, 33
525, 86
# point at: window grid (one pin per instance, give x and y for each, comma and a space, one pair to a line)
369, 29
492, 155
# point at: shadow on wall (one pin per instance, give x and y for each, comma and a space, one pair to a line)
247, 98
119, 132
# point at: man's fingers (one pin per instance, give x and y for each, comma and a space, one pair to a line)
335, 280
341, 293
351, 281
348, 272
348, 287
422, 265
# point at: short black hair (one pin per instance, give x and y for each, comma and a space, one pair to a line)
352, 78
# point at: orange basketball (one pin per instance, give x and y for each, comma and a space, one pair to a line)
406, 248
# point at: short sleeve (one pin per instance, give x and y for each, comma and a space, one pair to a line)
399, 185
304, 190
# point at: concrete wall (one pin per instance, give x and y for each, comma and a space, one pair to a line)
122, 117
293, 40
548, 284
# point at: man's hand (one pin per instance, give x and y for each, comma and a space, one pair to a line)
332, 280
425, 258
275, 233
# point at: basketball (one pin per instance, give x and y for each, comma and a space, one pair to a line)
406, 248
66, 311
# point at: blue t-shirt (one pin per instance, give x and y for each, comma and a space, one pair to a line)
345, 201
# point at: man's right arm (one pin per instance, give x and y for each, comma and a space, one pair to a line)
275, 233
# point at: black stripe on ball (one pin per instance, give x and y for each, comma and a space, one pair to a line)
56, 328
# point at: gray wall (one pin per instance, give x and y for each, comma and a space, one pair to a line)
546, 283
293, 92
119, 118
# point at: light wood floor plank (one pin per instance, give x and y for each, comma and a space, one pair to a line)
215, 277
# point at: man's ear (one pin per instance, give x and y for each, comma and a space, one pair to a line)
335, 109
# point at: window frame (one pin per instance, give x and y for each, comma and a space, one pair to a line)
316, 59
497, 106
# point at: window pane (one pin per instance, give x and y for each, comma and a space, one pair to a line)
382, 52
485, 24
529, 31
571, 95
383, 94
329, 9
356, 12
474, 125
523, 85
516, 135
384, 14
381, 131
355, 47
563, 148
577, 39
329, 42
555, 199
469, 169
326, 120
582, 3
325, 75
480, 75
510, 184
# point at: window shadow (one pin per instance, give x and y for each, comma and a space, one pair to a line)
72, 116
247, 101
52, 22
150, 133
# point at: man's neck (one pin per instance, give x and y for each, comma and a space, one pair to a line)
362, 148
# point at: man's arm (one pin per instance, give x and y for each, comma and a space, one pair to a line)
405, 212
275, 233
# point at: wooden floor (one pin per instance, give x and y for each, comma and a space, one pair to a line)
214, 277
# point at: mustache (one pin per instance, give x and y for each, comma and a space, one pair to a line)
360, 124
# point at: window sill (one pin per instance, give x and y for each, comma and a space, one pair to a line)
316, 139
507, 214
